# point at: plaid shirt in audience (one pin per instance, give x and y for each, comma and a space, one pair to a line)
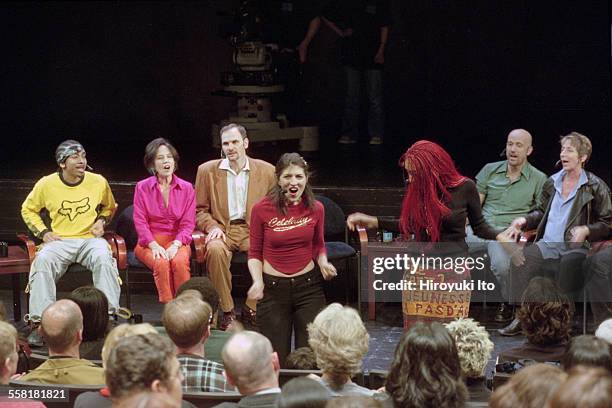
202, 375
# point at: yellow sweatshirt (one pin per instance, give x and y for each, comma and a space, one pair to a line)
73, 209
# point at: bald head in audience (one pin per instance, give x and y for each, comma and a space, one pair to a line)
250, 363
62, 328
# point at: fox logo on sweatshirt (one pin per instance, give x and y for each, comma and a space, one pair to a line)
72, 209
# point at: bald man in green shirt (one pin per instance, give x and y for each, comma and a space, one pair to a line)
508, 189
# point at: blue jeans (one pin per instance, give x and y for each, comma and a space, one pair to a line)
374, 91
499, 258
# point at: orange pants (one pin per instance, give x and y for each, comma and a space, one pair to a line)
168, 274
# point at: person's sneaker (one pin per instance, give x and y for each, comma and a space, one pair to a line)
346, 140
227, 318
376, 140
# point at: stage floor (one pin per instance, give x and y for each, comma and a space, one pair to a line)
384, 332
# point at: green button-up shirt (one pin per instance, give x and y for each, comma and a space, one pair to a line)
506, 200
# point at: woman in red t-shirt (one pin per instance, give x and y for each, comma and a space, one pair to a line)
286, 239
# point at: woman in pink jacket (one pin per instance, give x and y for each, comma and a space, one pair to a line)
164, 217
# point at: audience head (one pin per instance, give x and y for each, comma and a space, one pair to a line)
339, 340
187, 320
121, 331
159, 147
356, 401
604, 331
530, 387
473, 346
302, 358
148, 399
588, 350
2, 312
203, 285
545, 313
430, 172
143, 363
94, 307
8, 351
303, 392
250, 363
62, 326
425, 370
585, 387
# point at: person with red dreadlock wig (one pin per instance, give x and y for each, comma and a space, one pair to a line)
437, 201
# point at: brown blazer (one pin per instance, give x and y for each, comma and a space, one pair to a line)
212, 209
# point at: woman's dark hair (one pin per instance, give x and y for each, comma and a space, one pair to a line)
204, 285
303, 392
530, 387
277, 196
151, 153
545, 313
94, 307
588, 350
586, 387
425, 371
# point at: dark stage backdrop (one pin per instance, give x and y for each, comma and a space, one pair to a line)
463, 73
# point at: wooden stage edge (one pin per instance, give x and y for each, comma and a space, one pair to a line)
379, 201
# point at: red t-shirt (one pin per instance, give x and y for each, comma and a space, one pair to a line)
288, 242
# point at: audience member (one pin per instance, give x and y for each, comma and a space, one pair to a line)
8, 366
62, 329
531, 387
217, 338
143, 363
425, 371
586, 387
187, 320
8, 351
101, 399
604, 331
94, 307
148, 399
588, 350
303, 392
252, 366
546, 319
339, 341
302, 358
354, 401
474, 349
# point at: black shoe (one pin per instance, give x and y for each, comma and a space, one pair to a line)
35, 339
504, 313
249, 318
513, 329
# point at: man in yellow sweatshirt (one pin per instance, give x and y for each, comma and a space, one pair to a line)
79, 204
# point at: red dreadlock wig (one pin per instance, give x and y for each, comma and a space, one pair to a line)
433, 172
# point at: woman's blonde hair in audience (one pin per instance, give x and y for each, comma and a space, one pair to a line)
339, 340
121, 331
473, 346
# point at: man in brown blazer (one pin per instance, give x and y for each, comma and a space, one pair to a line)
226, 190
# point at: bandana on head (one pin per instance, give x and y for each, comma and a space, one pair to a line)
66, 149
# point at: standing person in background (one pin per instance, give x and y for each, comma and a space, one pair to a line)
164, 218
286, 239
364, 27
